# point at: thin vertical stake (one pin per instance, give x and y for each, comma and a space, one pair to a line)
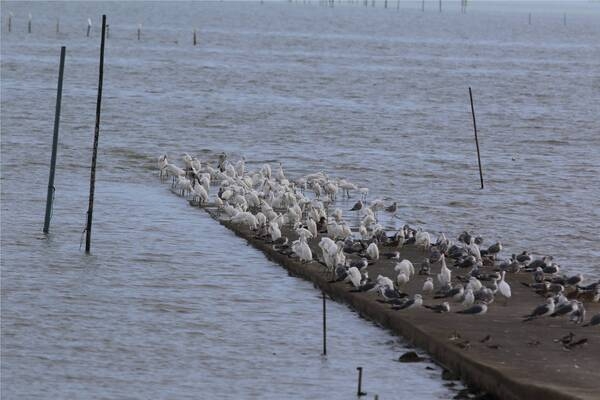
88, 229
476, 140
324, 326
29, 24
50, 197
57, 25
195, 37
359, 391
10, 22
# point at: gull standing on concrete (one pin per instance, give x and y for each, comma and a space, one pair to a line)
542, 310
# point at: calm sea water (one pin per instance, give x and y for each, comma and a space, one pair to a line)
172, 305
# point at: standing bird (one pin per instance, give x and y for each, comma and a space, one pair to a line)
393, 208
469, 299
358, 206
542, 310
504, 287
373, 251
428, 286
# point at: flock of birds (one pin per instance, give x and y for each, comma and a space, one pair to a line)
268, 203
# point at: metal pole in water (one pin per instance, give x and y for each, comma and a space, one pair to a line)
359, 391
324, 326
476, 140
195, 41
29, 24
50, 197
88, 229
139, 31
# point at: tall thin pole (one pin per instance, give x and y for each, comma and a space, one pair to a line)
88, 229
476, 140
324, 326
50, 197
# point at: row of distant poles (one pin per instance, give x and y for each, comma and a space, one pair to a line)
463, 5
89, 28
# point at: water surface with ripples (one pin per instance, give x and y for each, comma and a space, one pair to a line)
171, 304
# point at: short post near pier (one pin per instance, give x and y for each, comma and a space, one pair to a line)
359, 391
324, 325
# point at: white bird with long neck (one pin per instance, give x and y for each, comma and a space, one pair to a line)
445, 275
312, 227
504, 287
302, 249
354, 276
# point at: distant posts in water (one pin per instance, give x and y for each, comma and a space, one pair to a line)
139, 31
10, 15
440, 2
107, 31
463, 6
194, 39
89, 27
29, 24
385, 3
57, 25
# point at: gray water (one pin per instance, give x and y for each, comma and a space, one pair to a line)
172, 305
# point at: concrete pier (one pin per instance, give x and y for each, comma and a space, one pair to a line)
496, 352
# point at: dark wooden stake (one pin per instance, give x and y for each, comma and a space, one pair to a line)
107, 31
29, 24
89, 28
359, 391
324, 326
476, 140
50, 197
139, 31
88, 229
57, 25
195, 41
10, 22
